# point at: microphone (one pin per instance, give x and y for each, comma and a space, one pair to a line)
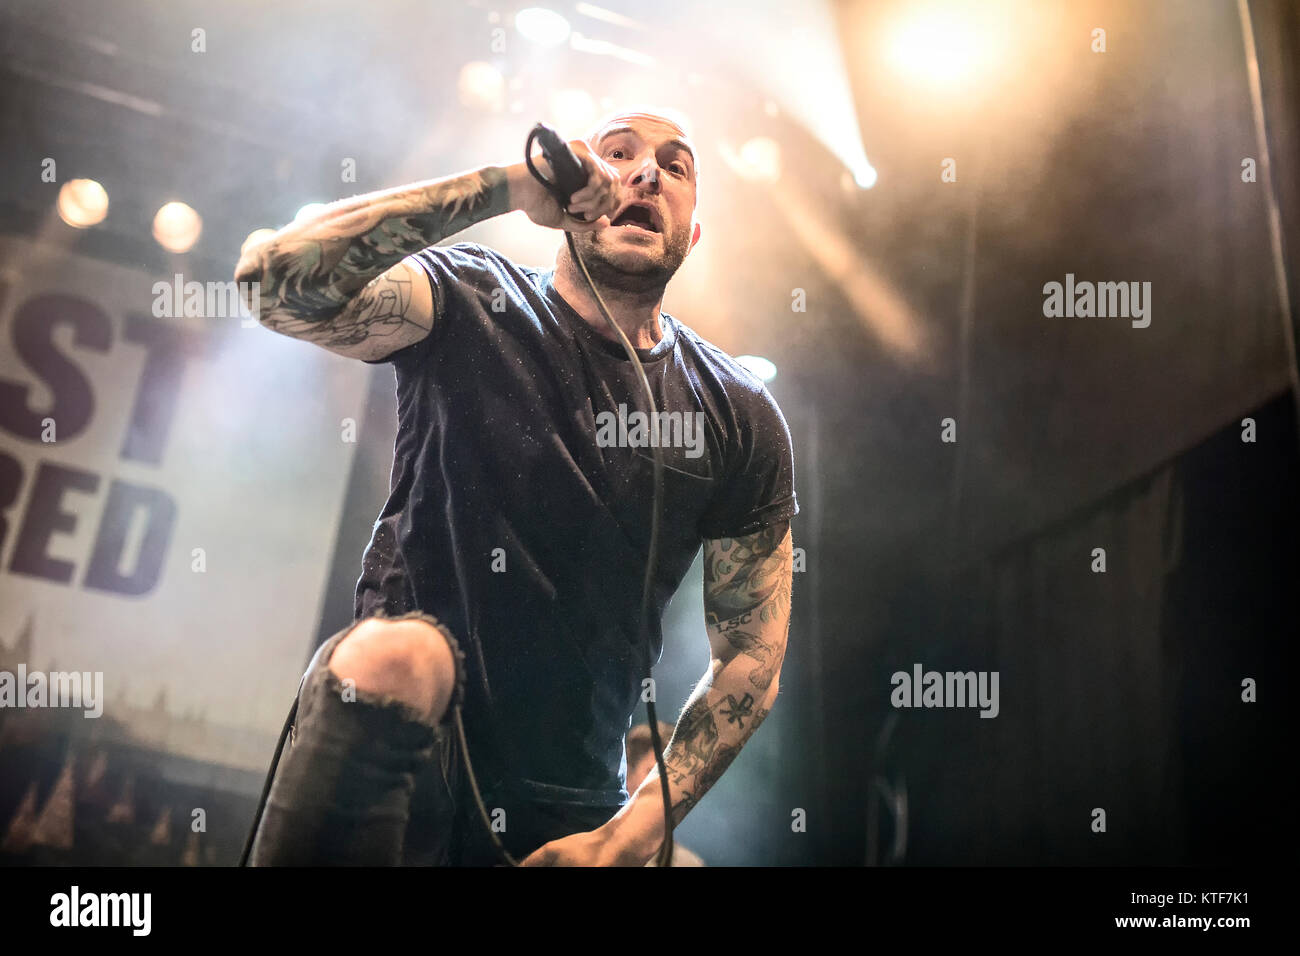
568, 174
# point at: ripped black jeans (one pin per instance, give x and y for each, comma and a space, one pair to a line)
369, 782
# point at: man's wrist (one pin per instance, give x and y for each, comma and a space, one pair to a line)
518, 182
636, 832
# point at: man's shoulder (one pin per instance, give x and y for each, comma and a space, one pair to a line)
731, 380
730, 370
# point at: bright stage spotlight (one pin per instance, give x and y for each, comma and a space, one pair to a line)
758, 160
864, 176
817, 94
82, 203
854, 182
481, 86
760, 366
941, 45
542, 26
176, 227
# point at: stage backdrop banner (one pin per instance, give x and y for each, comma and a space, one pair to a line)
171, 478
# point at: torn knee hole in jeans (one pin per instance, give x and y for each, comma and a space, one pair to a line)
348, 693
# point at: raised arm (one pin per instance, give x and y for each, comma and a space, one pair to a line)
338, 279
341, 278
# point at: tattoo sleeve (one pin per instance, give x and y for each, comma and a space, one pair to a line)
328, 280
747, 591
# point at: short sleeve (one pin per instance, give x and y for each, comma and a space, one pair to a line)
757, 488
448, 268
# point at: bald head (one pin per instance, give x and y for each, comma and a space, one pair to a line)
664, 115
670, 123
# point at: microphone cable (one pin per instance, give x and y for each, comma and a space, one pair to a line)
549, 141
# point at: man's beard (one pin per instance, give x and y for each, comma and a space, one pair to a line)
632, 272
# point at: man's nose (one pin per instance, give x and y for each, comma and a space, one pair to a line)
646, 176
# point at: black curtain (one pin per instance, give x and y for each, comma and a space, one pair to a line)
1121, 690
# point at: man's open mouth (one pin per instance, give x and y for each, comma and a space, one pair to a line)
638, 215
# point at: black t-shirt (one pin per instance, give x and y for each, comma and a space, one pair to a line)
519, 509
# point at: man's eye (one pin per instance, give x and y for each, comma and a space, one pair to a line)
616, 154
678, 168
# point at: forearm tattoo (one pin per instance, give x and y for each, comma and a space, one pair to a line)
324, 284
704, 744
747, 603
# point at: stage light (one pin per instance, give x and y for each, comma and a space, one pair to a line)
817, 95
307, 211
582, 44
760, 366
82, 203
481, 86
177, 227
758, 160
865, 176
941, 45
572, 110
542, 26
607, 16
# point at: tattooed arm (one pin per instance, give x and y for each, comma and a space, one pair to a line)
342, 279
747, 584
339, 280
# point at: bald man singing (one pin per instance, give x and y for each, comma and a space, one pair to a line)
504, 573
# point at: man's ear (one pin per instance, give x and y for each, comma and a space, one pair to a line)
695, 236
